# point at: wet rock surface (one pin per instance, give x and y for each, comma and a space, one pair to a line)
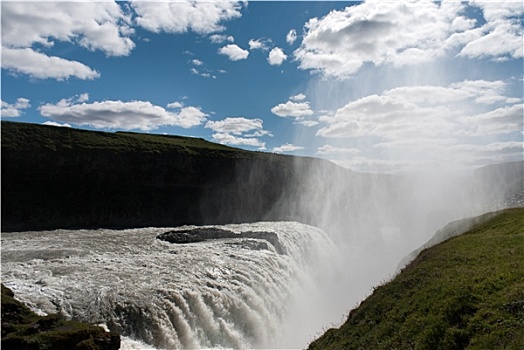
23, 329
201, 234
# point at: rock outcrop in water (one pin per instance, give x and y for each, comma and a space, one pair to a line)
23, 329
201, 234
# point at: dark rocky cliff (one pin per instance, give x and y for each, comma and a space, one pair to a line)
67, 178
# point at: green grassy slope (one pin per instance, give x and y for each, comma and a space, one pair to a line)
23, 135
464, 293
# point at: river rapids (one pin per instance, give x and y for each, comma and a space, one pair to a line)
225, 293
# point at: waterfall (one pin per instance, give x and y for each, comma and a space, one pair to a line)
233, 293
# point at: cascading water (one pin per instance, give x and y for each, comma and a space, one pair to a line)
247, 291
238, 293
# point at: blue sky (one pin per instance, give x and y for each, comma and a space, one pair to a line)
374, 86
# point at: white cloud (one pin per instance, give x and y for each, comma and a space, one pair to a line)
332, 150
406, 33
203, 74
495, 147
141, 115
228, 139
287, 148
306, 123
220, 38
236, 126
175, 104
276, 57
504, 120
259, 44
431, 125
14, 110
93, 25
291, 36
197, 62
260, 133
184, 15
232, 131
298, 97
501, 36
50, 123
38, 65
292, 109
83, 97
422, 111
234, 52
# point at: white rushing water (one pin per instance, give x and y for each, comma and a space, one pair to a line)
227, 293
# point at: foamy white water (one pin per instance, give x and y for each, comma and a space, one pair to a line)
214, 294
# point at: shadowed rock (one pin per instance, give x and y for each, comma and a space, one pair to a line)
201, 234
23, 329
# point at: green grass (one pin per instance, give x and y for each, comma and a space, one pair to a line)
14, 135
464, 293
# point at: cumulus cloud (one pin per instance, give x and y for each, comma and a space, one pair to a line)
233, 131
234, 52
197, 62
259, 44
181, 16
298, 97
50, 123
292, 109
501, 36
427, 124
276, 56
306, 123
287, 148
236, 126
500, 121
331, 150
93, 25
175, 104
228, 139
139, 115
38, 65
14, 110
291, 36
220, 38
424, 111
405, 33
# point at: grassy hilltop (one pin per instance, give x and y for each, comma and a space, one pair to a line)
464, 293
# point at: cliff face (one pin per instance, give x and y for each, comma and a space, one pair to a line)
66, 178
